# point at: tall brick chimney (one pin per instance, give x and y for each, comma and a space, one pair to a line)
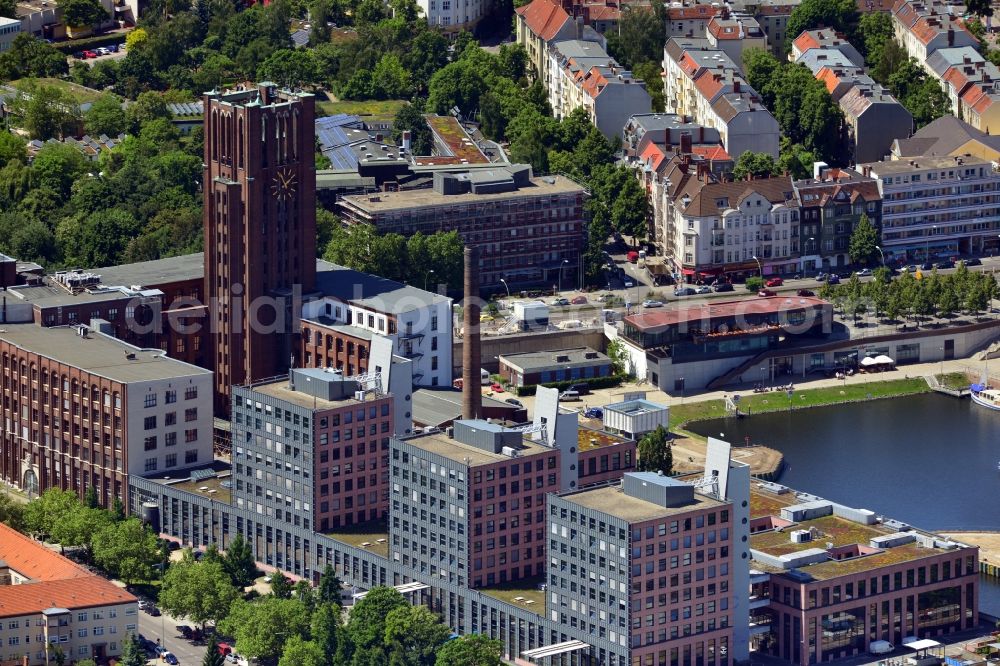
472, 397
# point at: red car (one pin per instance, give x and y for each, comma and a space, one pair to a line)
775, 282
496, 387
89, 54
579, 300
766, 292
632, 256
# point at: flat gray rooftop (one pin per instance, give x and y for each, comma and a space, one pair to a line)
152, 273
47, 295
373, 291
391, 201
614, 502
99, 354
439, 443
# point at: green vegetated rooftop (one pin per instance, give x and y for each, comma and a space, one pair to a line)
519, 593
375, 109
833, 530
83, 94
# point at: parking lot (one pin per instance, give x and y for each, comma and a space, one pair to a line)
98, 56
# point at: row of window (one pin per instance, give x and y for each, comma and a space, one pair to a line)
170, 396
170, 460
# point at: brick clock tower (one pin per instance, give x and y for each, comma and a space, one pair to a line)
260, 229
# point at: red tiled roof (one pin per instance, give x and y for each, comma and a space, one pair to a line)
72, 594
712, 153
594, 83
702, 312
807, 40
56, 582
709, 84
30, 558
829, 78
698, 11
654, 156
544, 18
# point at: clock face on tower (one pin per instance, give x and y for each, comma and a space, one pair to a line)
283, 185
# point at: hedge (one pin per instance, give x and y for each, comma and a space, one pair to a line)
76, 45
592, 382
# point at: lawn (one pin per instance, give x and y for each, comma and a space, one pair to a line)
956, 381
378, 109
81, 93
756, 403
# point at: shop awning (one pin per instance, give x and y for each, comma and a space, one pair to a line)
687, 271
553, 650
924, 644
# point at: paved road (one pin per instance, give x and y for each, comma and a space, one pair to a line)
164, 628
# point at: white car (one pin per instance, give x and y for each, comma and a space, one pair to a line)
652, 304
704, 289
102, 51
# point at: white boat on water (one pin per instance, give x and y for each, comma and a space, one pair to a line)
987, 397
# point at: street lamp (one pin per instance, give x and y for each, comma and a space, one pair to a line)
427, 275
763, 371
941, 372
759, 267
505, 286
882, 254
561, 267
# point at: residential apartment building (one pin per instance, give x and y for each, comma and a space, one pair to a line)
948, 136
468, 506
728, 227
337, 328
704, 83
689, 18
936, 206
541, 23
83, 409
874, 117
972, 84
924, 26
529, 230
773, 15
830, 579
452, 16
733, 34
48, 602
313, 450
651, 570
582, 75
831, 204
10, 28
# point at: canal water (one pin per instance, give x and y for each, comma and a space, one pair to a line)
927, 460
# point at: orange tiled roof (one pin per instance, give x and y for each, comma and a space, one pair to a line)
709, 83
807, 40
713, 153
654, 156
720, 30
698, 11
31, 559
87, 592
594, 83
829, 78
544, 18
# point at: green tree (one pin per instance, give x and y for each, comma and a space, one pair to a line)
427, 54
57, 167
78, 526
618, 355
46, 112
8, 8
11, 512
841, 15
106, 116
82, 13
290, 68
410, 118
42, 513
330, 587
147, 107
864, 241
320, 12
281, 587
12, 147
253, 623
127, 550
86, 662
328, 633
29, 56
755, 283
796, 160
754, 165
650, 72
367, 623
300, 652
390, 80
133, 653
212, 655
98, 239
874, 32
199, 591
90, 498
630, 212
640, 36
655, 453
414, 634
979, 7
470, 650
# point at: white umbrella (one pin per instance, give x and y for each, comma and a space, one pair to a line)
868, 360
882, 359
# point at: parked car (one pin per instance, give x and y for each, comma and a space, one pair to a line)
496, 387
972, 261
805, 292
724, 286
582, 388
942, 265
185, 630
822, 277
774, 282
926, 266
766, 292
833, 278
864, 272
632, 256
579, 300
89, 54
102, 50
79, 55
114, 48
627, 281
153, 610
169, 658
515, 402
652, 304
594, 413
560, 301
684, 291
703, 289
568, 396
